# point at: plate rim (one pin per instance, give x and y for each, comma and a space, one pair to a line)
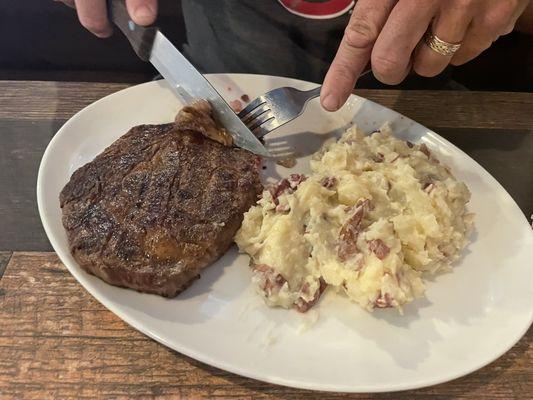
204, 358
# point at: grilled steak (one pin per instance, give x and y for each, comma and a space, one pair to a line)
158, 205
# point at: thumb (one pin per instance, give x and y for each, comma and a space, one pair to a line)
142, 12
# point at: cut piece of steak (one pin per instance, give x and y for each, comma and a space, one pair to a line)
157, 206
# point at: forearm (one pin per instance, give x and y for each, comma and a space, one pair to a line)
525, 22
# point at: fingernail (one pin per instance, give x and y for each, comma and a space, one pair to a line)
143, 15
330, 103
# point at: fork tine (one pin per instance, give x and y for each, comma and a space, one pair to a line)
252, 106
261, 130
255, 114
260, 120
275, 108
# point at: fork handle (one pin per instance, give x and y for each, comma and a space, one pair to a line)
311, 94
305, 95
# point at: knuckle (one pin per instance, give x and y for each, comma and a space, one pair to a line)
463, 4
505, 30
510, 7
508, 29
344, 71
497, 22
499, 19
360, 34
385, 65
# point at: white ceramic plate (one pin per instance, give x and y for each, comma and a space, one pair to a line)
470, 317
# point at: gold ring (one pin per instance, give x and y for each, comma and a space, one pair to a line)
440, 46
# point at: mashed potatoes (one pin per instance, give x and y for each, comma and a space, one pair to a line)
374, 215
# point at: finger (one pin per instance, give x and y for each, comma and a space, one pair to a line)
485, 29
450, 26
354, 51
476, 42
143, 12
93, 16
392, 53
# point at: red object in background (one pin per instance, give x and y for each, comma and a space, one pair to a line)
318, 9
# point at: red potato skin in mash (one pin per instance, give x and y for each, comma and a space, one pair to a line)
329, 182
273, 282
285, 184
372, 215
379, 248
383, 301
303, 306
350, 231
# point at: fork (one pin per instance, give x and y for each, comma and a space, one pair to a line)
277, 107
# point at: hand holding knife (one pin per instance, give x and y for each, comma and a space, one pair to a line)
189, 84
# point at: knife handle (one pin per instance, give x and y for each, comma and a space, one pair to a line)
140, 37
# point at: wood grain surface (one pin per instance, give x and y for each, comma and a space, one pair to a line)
5, 256
444, 109
56, 341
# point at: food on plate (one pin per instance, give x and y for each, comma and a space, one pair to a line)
375, 213
198, 117
160, 204
236, 105
287, 162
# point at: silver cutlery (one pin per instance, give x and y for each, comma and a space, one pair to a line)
277, 107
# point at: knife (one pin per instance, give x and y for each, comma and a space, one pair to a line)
189, 84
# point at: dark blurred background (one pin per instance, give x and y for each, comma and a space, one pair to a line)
42, 40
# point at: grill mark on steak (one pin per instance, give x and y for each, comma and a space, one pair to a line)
157, 206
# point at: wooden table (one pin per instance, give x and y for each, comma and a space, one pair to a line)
56, 341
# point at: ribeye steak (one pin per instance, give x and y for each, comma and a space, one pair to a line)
158, 205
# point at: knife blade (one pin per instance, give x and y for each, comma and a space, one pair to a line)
186, 81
